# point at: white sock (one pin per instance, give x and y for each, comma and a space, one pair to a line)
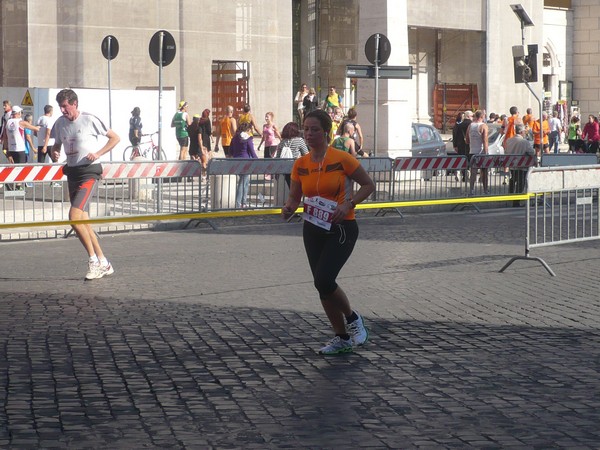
93, 259
103, 261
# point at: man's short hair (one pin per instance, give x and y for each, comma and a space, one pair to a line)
468, 113
66, 94
519, 128
48, 108
513, 110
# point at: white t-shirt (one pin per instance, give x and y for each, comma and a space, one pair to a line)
45, 123
16, 135
79, 137
299, 99
555, 124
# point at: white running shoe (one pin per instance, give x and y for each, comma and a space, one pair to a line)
337, 346
94, 271
357, 331
107, 269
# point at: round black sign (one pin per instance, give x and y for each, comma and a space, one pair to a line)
385, 49
168, 48
110, 47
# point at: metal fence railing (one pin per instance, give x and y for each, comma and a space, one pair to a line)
563, 208
37, 193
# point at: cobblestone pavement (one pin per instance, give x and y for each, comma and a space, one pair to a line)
206, 339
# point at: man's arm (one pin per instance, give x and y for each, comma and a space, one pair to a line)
351, 147
113, 140
484, 137
25, 124
55, 153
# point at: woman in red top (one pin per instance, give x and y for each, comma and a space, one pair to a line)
325, 177
591, 134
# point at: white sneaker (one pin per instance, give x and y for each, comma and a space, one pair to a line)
97, 270
107, 269
94, 271
337, 346
357, 331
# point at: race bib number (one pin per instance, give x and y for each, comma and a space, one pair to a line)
319, 211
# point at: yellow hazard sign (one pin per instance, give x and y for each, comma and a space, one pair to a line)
27, 101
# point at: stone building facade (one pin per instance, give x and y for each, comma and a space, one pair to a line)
242, 45
263, 49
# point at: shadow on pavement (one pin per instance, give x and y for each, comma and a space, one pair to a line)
78, 371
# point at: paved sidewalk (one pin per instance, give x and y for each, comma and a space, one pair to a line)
207, 339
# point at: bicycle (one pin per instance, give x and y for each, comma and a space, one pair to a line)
143, 149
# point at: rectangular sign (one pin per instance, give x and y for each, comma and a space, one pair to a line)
360, 71
385, 72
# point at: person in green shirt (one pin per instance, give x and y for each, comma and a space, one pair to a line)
181, 121
345, 141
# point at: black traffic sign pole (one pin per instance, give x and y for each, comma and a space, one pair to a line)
161, 38
377, 51
110, 49
162, 52
109, 88
376, 105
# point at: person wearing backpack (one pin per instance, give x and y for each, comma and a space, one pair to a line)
181, 121
292, 145
357, 135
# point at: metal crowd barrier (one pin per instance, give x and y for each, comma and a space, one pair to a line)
268, 187
443, 177
38, 193
563, 209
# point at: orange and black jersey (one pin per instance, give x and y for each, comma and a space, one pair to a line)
329, 179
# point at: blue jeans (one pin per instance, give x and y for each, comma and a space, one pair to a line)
553, 139
241, 193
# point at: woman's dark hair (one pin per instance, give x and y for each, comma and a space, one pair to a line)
246, 108
136, 111
290, 130
322, 117
352, 114
205, 113
245, 126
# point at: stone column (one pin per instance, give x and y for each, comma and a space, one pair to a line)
388, 17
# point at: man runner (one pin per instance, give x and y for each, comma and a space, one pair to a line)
78, 132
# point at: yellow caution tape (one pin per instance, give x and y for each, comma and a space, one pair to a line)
263, 212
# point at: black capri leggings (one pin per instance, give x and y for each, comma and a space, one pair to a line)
328, 251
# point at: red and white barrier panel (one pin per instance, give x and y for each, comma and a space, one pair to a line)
28, 173
431, 163
112, 170
151, 169
509, 161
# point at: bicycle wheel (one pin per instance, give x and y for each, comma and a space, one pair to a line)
163, 156
130, 152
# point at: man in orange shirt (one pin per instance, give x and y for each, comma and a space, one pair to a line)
545, 127
509, 123
528, 121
